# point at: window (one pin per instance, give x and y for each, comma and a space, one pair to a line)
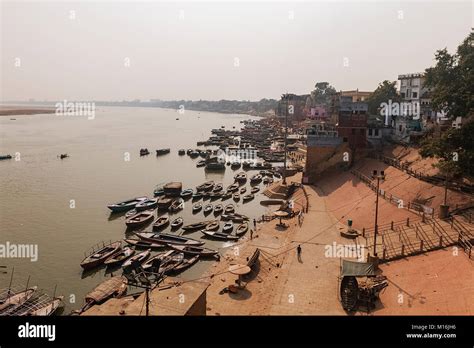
376, 132
415, 94
400, 128
370, 132
403, 95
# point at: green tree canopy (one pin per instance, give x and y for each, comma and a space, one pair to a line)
452, 80
385, 91
322, 93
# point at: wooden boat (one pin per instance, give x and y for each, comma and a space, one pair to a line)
150, 203
208, 209
232, 217
218, 209
201, 163
46, 309
243, 190
188, 261
177, 223
217, 188
226, 195
143, 244
212, 226
206, 195
207, 186
232, 188
255, 189
160, 152
193, 154
235, 165
215, 195
140, 219
144, 152
229, 209
130, 213
267, 181
236, 196
177, 205
98, 256
256, 178
5, 157
186, 194
197, 196
219, 235
63, 155
240, 177
115, 259
159, 190
115, 286
13, 300
197, 207
161, 222
162, 256
215, 166
242, 229
228, 227
125, 205
137, 259
168, 239
195, 250
164, 203
248, 197
181, 152
197, 225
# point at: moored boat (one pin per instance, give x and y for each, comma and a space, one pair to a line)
5, 157
212, 226
229, 209
197, 207
177, 223
248, 197
236, 196
232, 188
228, 227
217, 188
125, 205
177, 205
46, 308
98, 256
208, 209
160, 152
255, 189
164, 203
242, 229
168, 239
13, 300
243, 190
181, 152
161, 223
116, 259
219, 235
130, 213
201, 163
143, 244
186, 194
218, 209
137, 259
207, 186
139, 219
240, 177
256, 179
149, 203
195, 250
197, 226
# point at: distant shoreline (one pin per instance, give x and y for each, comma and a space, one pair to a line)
17, 110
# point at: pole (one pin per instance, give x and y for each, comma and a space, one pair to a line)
446, 190
286, 134
147, 301
376, 216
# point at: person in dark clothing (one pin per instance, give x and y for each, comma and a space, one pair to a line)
254, 224
298, 251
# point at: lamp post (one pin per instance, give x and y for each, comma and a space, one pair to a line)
379, 177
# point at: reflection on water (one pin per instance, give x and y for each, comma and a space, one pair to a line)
60, 205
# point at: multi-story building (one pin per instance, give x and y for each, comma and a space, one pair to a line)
356, 95
352, 121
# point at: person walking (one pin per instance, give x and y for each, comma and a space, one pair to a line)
251, 234
254, 224
298, 251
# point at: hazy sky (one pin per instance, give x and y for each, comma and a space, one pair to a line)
217, 50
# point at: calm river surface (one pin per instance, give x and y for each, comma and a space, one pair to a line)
37, 190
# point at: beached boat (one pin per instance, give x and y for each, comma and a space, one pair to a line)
217, 188
201, 163
186, 194
130, 213
197, 207
161, 222
243, 190
256, 179
177, 205
236, 196
168, 239
248, 197
219, 235
218, 209
212, 226
255, 189
207, 186
197, 225
116, 259
143, 244
125, 205
137, 259
177, 223
232, 188
242, 229
228, 227
150, 203
99, 255
139, 219
240, 177
195, 250
160, 152
11, 300
208, 209
164, 203
229, 209
47, 308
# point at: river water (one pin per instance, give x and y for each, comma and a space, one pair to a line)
60, 205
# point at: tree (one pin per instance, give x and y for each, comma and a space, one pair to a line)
385, 91
451, 80
322, 93
454, 149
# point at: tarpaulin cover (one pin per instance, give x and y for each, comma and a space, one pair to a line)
357, 269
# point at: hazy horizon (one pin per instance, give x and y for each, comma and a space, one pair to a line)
217, 50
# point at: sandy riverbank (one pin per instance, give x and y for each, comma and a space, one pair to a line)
6, 110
